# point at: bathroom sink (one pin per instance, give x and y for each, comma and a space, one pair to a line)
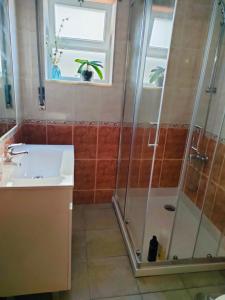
44, 165
36, 220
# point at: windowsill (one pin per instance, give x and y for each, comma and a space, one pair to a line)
70, 82
147, 87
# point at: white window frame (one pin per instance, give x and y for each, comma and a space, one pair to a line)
106, 46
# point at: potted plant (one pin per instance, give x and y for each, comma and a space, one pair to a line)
85, 68
157, 76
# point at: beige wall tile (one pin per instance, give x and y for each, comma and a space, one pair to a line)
70, 101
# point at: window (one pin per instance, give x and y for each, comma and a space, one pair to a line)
75, 31
159, 43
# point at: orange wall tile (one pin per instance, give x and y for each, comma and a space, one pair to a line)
205, 189
96, 152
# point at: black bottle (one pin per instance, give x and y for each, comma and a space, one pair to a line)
153, 249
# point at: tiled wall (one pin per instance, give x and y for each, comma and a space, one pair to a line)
96, 152
96, 147
3, 128
198, 175
70, 101
185, 60
6, 125
169, 157
104, 103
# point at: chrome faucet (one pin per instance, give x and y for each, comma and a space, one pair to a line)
198, 156
11, 152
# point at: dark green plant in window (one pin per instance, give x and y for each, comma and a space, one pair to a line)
86, 66
157, 76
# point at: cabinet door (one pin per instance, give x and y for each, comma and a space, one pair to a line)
35, 240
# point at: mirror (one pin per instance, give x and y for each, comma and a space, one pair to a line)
7, 99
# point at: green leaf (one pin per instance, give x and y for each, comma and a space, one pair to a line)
81, 67
156, 74
81, 61
153, 78
98, 71
96, 63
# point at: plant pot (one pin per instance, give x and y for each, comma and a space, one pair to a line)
160, 82
87, 75
56, 73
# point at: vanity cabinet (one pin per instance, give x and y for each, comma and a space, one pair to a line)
35, 240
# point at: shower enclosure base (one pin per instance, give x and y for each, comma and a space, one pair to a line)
166, 267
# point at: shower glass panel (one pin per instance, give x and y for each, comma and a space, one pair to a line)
151, 190
201, 206
171, 175
133, 57
149, 43
210, 239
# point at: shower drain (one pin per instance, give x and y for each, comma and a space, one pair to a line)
170, 207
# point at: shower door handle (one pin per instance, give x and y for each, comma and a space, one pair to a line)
155, 144
195, 144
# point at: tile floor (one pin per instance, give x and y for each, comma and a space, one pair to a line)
101, 268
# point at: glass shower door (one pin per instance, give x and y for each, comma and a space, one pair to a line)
147, 134
210, 239
197, 199
134, 50
135, 198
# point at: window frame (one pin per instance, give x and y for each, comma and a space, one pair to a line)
106, 46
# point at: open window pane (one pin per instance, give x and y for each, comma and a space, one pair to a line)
83, 23
69, 68
161, 33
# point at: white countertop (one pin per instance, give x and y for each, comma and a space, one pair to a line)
43, 166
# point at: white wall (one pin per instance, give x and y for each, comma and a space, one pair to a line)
69, 101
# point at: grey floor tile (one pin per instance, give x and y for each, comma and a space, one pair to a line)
169, 295
202, 293
200, 279
100, 219
111, 277
105, 243
130, 297
79, 284
78, 222
79, 250
222, 273
159, 283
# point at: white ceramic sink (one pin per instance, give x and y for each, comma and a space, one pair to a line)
44, 165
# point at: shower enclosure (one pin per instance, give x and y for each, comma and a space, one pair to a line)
171, 170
